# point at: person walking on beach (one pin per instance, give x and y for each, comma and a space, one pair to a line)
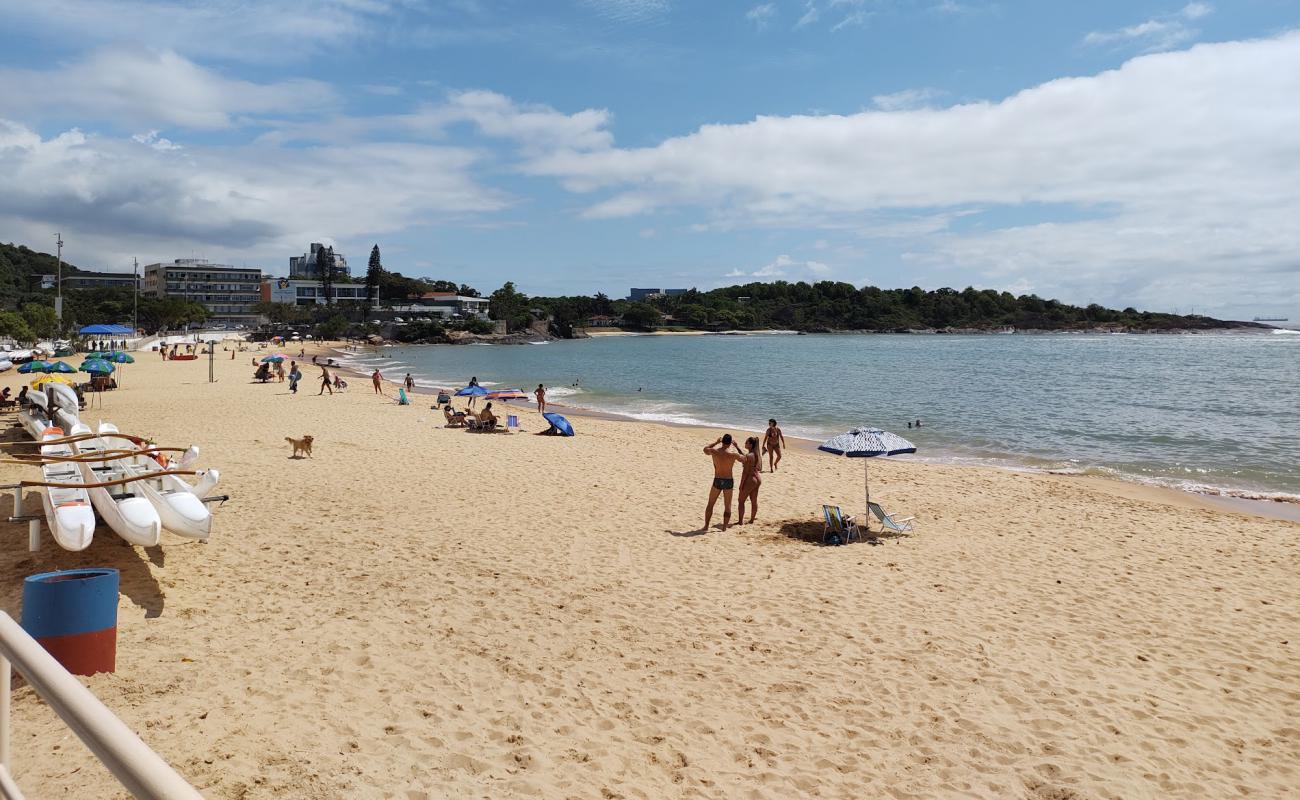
294, 377
724, 463
773, 443
378, 381
541, 398
324, 382
410, 383
750, 480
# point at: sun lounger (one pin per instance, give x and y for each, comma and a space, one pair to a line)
889, 522
838, 523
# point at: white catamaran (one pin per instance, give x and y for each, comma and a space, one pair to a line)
180, 505
123, 508
67, 508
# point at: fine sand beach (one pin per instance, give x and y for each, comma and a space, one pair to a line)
418, 612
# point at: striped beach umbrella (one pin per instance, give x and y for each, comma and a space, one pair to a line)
506, 394
867, 443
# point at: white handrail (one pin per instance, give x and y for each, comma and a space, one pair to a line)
132, 762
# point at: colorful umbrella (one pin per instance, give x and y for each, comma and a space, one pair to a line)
44, 379
506, 394
36, 365
274, 358
118, 357
61, 366
96, 366
472, 391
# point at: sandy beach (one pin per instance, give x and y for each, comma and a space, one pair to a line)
418, 612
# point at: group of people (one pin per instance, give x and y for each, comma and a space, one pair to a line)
725, 454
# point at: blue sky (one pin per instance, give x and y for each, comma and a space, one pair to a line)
1127, 153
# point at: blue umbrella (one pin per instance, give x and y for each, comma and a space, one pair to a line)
867, 443
35, 365
118, 357
272, 359
472, 391
60, 366
96, 366
559, 422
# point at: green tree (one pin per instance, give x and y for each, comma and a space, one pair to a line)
14, 325
325, 267
41, 319
332, 328
465, 290
510, 305
641, 315
373, 273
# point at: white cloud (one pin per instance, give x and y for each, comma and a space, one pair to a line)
163, 88
629, 11
1156, 34
152, 139
268, 30
122, 197
811, 14
784, 266
906, 99
1175, 161
735, 273
761, 15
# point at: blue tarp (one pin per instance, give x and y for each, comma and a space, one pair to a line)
106, 330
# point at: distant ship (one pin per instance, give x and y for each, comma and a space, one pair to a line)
1270, 319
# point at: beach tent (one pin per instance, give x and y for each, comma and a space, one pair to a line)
867, 443
106, 330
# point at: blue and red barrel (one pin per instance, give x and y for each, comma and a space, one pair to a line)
73, 614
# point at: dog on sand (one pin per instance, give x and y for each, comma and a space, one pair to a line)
302, 445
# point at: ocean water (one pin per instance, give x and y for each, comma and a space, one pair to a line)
1210, 413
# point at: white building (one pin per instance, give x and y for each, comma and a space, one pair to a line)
227, 292
296, 292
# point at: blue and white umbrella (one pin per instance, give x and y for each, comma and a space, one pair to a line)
867, 443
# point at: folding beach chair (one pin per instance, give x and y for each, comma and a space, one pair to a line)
511, 421
889, 522
472, 423
838, 523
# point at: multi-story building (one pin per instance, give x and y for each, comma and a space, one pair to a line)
228, 293
305, 266
84, 279
305, 293
446, 304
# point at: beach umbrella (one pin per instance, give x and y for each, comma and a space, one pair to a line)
61, 366
472, 391
44, 379
506, 394
96, 366
559, 422
118, 357
274, 358
36, 365
867, 443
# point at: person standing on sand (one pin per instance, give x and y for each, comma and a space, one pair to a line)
279, 371
724, 463
541, 398
378, 381
410, 383
324, 382
751, 465
294, 377
773, 443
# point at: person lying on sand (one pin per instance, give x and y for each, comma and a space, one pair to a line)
724, 462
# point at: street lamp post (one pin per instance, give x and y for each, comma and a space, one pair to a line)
58, 299
135, 298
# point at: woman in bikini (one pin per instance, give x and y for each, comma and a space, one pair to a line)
751, 465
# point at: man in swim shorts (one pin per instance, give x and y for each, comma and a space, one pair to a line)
724, 462
773, 442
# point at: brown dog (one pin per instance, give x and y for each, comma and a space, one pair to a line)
302, 445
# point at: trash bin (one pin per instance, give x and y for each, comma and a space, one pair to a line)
73, 614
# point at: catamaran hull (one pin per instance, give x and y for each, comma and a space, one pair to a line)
179, 506
68, 512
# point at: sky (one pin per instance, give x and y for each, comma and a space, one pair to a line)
1132, 153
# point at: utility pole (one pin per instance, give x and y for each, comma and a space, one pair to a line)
135, 299
58, 299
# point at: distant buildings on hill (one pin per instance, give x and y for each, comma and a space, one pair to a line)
305, 266
641, 295
312, 292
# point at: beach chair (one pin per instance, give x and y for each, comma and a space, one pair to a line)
443, 399
472, 423
839, 523
511, 421
889, 522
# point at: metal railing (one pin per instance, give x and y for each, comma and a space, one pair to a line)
137, 767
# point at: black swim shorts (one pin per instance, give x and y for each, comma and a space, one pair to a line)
724, 483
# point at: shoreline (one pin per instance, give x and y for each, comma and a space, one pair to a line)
419, 611
1116, 485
